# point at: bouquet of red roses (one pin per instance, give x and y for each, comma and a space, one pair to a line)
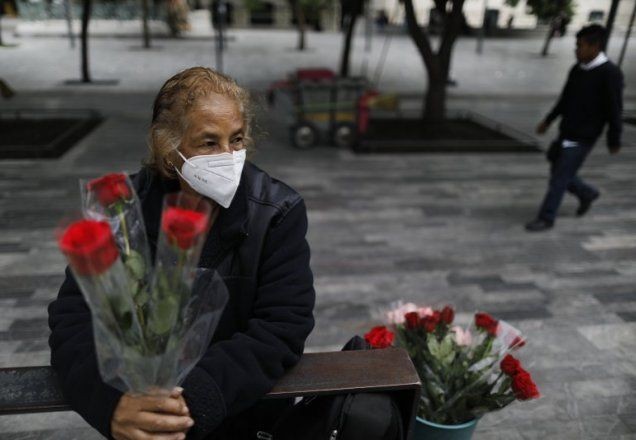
151, 323
465, 373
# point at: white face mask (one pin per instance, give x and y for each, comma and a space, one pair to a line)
216, 176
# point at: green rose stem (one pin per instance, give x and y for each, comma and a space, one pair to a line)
122, 218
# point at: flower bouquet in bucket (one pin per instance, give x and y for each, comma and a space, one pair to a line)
151, 323
465, 372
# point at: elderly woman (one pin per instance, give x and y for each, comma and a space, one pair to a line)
257, 244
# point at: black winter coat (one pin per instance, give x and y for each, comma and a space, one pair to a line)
258, 245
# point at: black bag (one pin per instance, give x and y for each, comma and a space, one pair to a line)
359, 416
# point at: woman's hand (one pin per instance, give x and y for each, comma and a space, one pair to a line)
139, 417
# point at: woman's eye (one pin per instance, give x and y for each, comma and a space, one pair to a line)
209, 144
237, 140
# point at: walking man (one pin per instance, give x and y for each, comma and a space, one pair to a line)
592, 97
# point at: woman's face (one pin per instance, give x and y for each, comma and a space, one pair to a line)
214, 125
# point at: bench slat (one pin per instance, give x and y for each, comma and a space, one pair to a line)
36, 389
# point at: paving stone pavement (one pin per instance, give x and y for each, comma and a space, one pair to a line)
442, 228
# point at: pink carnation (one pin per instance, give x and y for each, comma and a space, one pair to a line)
425, 311
462, 337
396, 316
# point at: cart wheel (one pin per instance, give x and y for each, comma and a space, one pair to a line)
303, 136
344, 135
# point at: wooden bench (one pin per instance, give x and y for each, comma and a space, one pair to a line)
36, 389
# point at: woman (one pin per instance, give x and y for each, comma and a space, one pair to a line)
257, 244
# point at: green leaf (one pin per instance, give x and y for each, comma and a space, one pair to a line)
121, 311
135, 265
141, 296
163, 315
433, 346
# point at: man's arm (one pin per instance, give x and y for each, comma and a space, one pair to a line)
614, 109
557, 110
234, 374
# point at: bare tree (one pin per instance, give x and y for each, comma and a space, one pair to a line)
299, 14
144, 22
351, 9
437, 63
86, 16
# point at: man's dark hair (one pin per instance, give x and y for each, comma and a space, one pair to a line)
594, 34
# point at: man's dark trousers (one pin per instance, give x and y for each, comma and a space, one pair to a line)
565, 164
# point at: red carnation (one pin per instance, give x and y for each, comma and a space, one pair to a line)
487, 323
110, 188
517, 342
447, 315
89, 246
379, 337
510, 365
412, 320
183, 226
524, 387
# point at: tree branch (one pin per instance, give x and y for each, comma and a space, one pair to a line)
451, 31
418, 36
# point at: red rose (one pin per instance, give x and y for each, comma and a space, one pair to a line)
430, 322
89, 246
487, 323
379, 337
183, 226
517, 342
110, 188
447, 315
524, 387
510, 365
412, 320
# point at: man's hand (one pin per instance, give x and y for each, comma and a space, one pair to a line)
614, 149
139, 417
542, 127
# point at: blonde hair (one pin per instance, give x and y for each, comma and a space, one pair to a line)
173, 101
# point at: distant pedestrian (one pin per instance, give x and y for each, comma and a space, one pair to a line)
591, 98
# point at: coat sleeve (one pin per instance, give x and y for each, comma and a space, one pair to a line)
74, 359
614, 107
234, 374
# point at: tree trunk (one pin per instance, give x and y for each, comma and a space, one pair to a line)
611, 17
435, 100
1, 43
300, 23
346, 51
68, 14
86, 16
548, 39
437, 64
144, 18
627, 35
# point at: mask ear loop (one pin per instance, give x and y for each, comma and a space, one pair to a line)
185, 160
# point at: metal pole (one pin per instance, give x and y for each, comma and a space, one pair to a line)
627, 35
610, 21
482, 31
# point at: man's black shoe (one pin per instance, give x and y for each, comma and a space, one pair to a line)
585, 204
539, 225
